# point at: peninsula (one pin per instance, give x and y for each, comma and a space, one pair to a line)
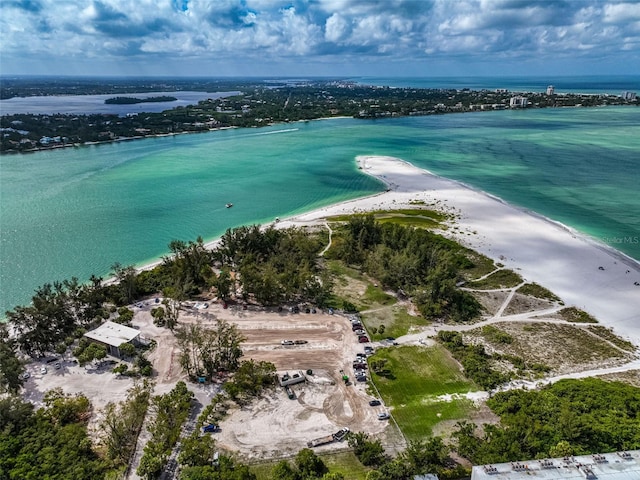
260, 104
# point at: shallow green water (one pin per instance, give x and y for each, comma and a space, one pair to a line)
77, 211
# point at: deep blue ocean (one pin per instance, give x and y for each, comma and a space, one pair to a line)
76, 211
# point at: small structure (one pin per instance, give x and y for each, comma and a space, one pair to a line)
112, 335
286, 379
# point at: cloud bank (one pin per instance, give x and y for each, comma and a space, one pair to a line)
262, 37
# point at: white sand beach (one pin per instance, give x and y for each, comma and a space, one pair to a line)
580, 271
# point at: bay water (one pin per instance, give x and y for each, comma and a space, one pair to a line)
76, 211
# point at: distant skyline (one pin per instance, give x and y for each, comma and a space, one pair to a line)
319, 37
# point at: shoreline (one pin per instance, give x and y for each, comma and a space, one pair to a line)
583, 272
540, 249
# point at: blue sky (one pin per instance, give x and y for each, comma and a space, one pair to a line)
320, 37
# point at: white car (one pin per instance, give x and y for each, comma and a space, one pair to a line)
288, 342
43, 370
26, 375
383, 416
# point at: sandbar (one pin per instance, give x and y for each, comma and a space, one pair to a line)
582, 272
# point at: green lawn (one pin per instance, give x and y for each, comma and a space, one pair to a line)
418, 375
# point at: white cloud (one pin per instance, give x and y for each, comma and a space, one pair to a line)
335, 28
286, 30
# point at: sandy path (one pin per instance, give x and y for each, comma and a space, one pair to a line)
540, 250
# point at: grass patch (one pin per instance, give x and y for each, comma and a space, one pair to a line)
417, 376
482, 265
375, 294
607, 334
496, 335
416, 217
407, 221
573, 314
345, 463
538, 291
396, 320
339, 269
499, 279
561, 347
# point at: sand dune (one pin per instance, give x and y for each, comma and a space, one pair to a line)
582, 272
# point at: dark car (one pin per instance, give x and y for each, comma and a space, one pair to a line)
363, 339
375, 403
211, 428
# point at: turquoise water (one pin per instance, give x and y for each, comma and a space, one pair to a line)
77, 211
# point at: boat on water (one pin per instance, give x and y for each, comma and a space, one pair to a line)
229, 205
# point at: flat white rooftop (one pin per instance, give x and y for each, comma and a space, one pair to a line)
606, 466
112, 334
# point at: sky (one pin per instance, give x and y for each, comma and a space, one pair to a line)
384, 38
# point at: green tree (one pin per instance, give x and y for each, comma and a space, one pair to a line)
223, 284
369, 452
196, 450
284, 471
127, 349
11, 368
309, 464
92, 352
158, 315
126, 289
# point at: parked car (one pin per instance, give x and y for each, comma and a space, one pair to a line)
359, 332
368, 350
361, 378
26, 375
57, 365
287, 342
43, 370
361, 355
356, 326
383, 416
363, 339
374, 403
211, 428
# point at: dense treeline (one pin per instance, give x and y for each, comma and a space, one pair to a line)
256, 105
170, 412
424, 265
275, 266
51, 442
569, 417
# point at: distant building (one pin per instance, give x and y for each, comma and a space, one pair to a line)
608, 466
550, 90
518, 102
112, 335
628, 95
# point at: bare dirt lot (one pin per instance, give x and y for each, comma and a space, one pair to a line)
273, 425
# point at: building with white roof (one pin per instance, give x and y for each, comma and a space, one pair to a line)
112, 335
607, 466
